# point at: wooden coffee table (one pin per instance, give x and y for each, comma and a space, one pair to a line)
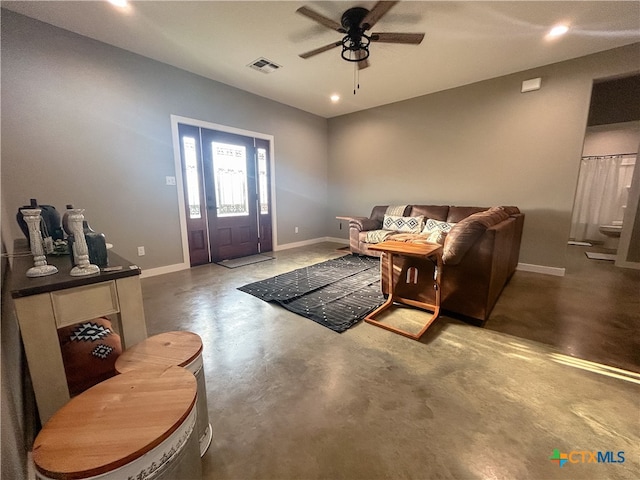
412, 251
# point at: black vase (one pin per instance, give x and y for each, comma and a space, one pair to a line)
96, 244
50, 225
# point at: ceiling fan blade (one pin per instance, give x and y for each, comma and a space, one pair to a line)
321, 19
376, 13
411, 38
320, 50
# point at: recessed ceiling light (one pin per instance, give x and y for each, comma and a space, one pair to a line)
119, 3
335, 98
558, 31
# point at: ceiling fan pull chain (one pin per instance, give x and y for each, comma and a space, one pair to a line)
355, 70
356, 78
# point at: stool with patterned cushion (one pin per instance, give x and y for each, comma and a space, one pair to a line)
89, 352
183, 349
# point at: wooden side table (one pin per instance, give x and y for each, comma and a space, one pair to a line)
421, 251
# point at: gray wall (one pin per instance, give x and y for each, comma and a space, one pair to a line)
89, 124
13, 397
482, 144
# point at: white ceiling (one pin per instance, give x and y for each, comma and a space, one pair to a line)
465, 42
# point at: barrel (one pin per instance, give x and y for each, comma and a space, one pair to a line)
137, 425
179, 348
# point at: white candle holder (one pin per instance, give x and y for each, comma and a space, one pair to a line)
40, 269
80, 249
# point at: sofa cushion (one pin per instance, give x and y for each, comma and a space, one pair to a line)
437, 212
461, 237
511, 209
403, 224
458, 213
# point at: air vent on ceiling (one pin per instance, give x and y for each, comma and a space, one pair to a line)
263, 65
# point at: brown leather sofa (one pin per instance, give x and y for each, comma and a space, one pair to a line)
480, 253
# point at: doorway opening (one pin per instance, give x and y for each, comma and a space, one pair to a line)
607, 168
225, 191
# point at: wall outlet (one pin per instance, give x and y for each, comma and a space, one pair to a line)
140, 251
170, 180
295, 230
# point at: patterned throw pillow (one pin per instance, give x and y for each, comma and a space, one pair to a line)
403, 224
437, 237
436, 226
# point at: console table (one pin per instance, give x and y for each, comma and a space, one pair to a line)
44, 304
415, 253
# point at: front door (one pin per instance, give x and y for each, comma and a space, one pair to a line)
230, 188
227, 181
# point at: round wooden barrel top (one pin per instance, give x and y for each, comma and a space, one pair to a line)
164, 349
114, 422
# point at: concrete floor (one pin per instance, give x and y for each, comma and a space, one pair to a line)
290, 399
593, 312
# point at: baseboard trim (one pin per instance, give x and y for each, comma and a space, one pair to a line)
344, 241
528, 267
152, 272
524, 267
624, 264
312, 241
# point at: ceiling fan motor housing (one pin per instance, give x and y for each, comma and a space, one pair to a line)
352, 18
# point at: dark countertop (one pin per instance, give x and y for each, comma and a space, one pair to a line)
22, 286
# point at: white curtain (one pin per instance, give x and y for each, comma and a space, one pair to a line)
597, 198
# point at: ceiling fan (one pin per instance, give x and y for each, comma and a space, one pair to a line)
355, 23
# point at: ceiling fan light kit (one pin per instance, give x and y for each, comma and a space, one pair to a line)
355, 41
354, 23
